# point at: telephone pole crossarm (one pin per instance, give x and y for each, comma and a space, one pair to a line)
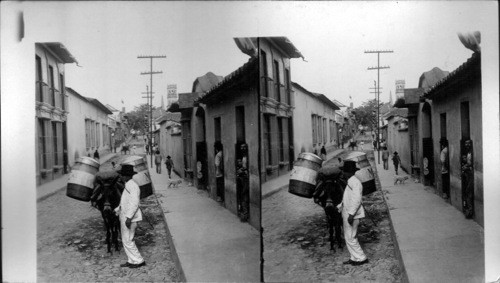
150, 96
377, 86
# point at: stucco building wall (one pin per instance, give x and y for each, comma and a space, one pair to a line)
306, 106
79, 111
225, 109
451, 106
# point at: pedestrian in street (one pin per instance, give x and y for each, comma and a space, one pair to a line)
385, 158
352, 211
158, 160
396, 161
147, 149
169, 164
219, 171
323, 152
129, 214
96, 155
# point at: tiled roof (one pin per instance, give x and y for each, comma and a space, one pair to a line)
401, 112
169, 116
90, 100
99, 105
319, 96
245, 70
473, 64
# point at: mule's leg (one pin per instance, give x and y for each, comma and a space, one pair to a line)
338, 230
116, 229
107, 225
330, 230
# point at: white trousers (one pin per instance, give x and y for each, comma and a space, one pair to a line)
129, 246
351, 239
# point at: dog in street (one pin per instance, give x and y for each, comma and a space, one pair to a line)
174, 183
400, 179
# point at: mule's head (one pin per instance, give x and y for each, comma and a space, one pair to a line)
108, 195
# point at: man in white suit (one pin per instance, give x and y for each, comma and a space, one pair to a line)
352, 211
130, 214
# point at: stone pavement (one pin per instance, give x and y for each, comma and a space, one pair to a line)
209, 242
436, 242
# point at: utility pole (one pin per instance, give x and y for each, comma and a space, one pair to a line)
376, 101
151, 73
378, 89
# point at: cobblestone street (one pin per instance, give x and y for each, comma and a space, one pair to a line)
296, 245
71, 243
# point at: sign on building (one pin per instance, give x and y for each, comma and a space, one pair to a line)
400, 88
172, 92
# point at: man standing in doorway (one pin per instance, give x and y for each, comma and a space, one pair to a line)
219, 171
352, 210
130, 214
445, 174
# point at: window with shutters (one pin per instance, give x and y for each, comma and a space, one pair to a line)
39, 79
324, 130
313, 126
280, 139
264, 73
288, 88
52, 86
87, 134
62, 91
98, 134
267, 140
42, 143
276, 78
319, 129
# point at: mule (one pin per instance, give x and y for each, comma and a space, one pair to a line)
106, 197
328, 194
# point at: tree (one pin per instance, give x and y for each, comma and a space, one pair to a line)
139, 118
366, 114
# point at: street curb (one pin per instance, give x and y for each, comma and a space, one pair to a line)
397, 251
272, 192
41, 198
175, 255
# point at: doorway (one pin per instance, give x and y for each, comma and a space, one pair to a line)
427, 146
201, 150
241, 166
466, 162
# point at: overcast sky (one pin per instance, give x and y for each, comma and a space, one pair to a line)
197, 37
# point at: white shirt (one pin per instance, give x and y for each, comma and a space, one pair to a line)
351, 201
129, 203
218, 169
443, 158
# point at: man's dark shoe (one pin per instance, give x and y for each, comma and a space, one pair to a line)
349, 262
138, 265
126, 264
360, 262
